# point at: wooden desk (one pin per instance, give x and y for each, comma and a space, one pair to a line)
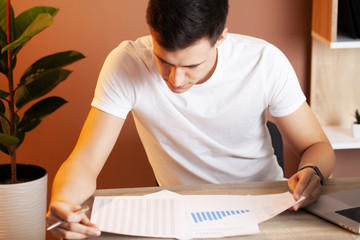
287, 225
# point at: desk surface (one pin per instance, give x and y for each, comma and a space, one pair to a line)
287, 225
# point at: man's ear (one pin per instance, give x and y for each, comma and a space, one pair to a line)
222, 37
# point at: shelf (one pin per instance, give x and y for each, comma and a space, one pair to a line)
341, 137
343, 41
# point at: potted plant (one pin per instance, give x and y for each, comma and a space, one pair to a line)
356, 125
21, 186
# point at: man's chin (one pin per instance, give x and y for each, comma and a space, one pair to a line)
177, 89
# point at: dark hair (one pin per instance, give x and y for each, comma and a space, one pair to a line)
177, 24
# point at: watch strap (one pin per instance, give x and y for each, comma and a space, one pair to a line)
316, 171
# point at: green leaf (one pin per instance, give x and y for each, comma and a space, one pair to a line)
5, 131
3, 56
2, 108
41, 22
4, 126
3, 15
3, 64
34, 115
4, 149
3, 38
39, 86
357, 116
3, 21
49, 63
25, 19
3, 94
8, 140
3, 35
28, 125
4, 122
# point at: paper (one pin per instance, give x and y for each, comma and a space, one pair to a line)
219, 216
141, 216
170, 215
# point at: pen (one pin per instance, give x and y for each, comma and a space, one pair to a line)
84, 209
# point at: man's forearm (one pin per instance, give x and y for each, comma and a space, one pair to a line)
321, 155
73, 183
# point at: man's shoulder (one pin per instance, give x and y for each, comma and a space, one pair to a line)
235, 39
143, 42
139, 50
245, 43
139, 45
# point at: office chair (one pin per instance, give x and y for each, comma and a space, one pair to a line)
277, 143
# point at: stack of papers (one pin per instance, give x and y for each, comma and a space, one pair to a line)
166, 214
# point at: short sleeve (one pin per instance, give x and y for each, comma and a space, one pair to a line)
115, 93
284, 95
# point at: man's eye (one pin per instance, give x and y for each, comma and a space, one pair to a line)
194, 66
163, 62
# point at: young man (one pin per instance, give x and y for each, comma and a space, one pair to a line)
199, 96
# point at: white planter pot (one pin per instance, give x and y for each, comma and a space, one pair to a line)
356, 130
23, 205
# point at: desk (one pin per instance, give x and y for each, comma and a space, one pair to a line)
288, 225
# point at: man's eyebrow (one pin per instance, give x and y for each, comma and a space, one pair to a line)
162, 59
189, 66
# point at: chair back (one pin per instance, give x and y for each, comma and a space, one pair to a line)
277, 142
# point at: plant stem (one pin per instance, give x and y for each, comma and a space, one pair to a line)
12, 149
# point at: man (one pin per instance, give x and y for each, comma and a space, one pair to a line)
199, 96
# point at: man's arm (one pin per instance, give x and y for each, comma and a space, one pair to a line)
304, 133
76, 179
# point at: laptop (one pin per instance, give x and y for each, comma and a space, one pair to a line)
341, 208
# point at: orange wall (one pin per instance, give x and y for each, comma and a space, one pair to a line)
94, 28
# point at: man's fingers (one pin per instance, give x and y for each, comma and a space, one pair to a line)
87, 222
64, 211
307, 185
70, 230
81, 230
312, 192
304, 177
76, 225
293, 182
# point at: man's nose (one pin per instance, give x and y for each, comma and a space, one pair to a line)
177, 76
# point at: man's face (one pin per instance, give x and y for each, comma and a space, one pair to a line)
184, 68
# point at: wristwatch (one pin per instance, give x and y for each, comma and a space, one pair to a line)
317, 172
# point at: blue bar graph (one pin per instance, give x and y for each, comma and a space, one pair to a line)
213, 215
209, 216
194, 217
199, 217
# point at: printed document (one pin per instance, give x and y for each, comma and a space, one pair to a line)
166, 214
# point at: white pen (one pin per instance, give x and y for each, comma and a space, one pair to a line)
84, 209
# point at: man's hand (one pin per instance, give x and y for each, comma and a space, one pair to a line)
76, 226
305, 183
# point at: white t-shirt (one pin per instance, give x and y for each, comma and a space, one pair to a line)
216, 131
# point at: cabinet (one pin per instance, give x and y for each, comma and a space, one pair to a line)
325, 25
335, 75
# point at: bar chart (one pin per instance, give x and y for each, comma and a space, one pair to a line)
204, 216
170, 215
